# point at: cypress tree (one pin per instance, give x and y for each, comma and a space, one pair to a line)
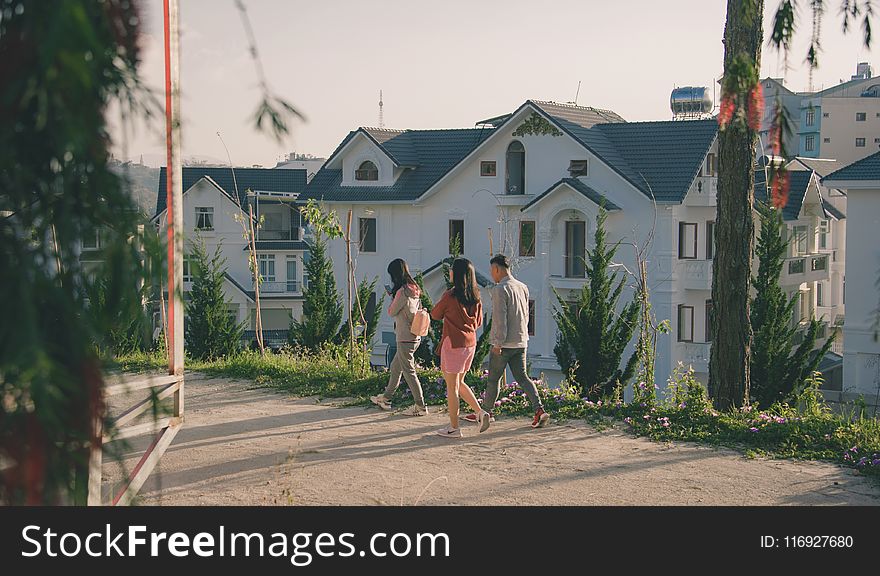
209, 331
779, 362
322, 307
592, 335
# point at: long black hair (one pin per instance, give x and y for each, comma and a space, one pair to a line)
400, 276
464, 282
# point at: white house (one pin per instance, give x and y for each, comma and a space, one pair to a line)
861, 183
533, 181
210, 208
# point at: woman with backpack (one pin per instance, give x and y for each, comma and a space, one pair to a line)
405, 306
461, 311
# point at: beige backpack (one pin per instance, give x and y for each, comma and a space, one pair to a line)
421, 322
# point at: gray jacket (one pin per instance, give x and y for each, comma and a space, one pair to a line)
403, 307
510, 314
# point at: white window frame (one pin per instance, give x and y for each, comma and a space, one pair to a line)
683, 327
266, 267
809, 143
206, 224
823, 231
294, 281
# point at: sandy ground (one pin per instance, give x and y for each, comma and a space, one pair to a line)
248, 446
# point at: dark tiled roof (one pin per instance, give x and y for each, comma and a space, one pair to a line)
596, 197
263, 179
864, 169
656, 157
433, 153
482, 279
799, 180
835, 213
280, 245
665, 156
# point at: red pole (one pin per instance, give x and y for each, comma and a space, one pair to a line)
169, 188
174, 190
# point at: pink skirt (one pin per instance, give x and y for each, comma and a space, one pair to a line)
455, 360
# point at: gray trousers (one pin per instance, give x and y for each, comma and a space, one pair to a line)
516, 359
404, 365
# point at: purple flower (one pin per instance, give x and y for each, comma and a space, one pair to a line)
646, 417
628, 420
753, 429
854, 449
862, 461
875, 462
664, 421
497, 403
780, 420
683, 405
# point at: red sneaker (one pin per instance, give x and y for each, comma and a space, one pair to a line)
541, 419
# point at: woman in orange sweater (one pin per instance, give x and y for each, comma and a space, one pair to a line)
461, 311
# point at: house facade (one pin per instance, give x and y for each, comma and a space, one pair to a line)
861, 366
841, 122
530, 184
216, 205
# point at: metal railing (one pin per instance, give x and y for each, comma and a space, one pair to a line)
288, 286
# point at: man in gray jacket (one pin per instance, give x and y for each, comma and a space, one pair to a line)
510, 339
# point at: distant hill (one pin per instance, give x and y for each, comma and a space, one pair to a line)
143, 182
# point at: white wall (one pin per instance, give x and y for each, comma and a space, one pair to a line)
862, 351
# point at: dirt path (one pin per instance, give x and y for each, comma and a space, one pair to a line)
245, 446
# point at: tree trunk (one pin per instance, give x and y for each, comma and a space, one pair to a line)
734, 228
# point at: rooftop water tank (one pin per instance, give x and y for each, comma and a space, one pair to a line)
690, 101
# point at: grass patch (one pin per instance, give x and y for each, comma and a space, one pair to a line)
804, 429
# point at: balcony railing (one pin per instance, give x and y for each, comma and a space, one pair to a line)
695, 354
697, 274
806, 268
276, 234
289, 286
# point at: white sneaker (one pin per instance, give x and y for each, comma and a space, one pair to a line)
449, 432
381, 402
415, 411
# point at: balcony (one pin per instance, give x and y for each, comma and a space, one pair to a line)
288, 287
806, 268
703, 192
696, 274
277, 234
564, 283
695, 354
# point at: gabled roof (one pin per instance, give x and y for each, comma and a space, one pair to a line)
660, 159
799, 182
263, 179
832, 210
242, 289
596, 197
482, 279
821, 166
865, 169
430, 153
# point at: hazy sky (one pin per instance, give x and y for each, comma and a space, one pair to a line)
444, 64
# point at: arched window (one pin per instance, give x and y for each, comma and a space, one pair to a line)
516, 168
366, 171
